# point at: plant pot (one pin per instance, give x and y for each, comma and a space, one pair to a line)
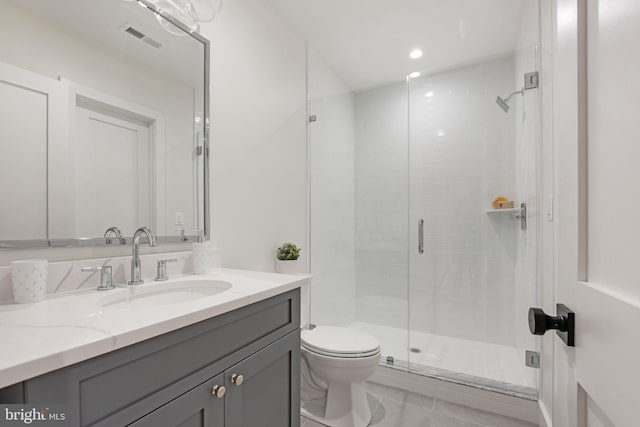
287, 266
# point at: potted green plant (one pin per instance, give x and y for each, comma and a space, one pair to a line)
287, 259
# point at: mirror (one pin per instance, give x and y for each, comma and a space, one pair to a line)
103, 123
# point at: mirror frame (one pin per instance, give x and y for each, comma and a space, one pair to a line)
100, 241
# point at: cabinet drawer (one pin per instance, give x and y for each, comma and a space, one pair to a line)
139, 376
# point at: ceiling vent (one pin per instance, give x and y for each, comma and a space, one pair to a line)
142, 36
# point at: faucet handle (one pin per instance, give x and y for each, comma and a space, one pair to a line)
106, 276
118, 234
162, 269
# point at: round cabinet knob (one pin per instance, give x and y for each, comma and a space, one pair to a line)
539, 322
218, 391
237, 379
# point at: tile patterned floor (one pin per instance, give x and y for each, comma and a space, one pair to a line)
392, 407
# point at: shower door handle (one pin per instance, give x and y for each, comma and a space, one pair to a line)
420, 236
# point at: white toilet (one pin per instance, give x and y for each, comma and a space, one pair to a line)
335, 362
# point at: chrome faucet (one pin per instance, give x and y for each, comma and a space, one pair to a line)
116, 231
135, 260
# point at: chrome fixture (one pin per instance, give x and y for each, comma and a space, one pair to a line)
531, 81
522, 216
421, 236
106, 276
161, 275
504, 103
135, 259
118, 234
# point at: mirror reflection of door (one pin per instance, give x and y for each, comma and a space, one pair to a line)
113, 171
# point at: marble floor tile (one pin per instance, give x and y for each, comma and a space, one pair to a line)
401, 396
392, 407
390, 413
482, 418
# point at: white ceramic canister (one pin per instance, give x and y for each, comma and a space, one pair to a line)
200, 257
29, 279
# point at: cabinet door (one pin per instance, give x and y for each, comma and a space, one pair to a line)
198, 407
269, 393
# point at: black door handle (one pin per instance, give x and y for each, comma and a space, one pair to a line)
563, 323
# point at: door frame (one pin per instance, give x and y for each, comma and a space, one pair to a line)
80, 95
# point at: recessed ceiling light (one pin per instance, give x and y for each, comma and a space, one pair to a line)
429, 94
414, 74
415, 54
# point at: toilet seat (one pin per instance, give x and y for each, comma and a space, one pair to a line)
339, 342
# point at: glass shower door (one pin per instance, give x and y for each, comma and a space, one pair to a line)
359, 211
475, 273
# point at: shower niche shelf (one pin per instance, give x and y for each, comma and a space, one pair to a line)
519, 213
507, 210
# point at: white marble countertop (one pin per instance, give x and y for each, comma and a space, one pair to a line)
68, 328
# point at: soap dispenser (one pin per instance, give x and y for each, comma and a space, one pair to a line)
200, 250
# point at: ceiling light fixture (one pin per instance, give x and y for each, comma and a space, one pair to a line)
188, 12
414, 74
415, 54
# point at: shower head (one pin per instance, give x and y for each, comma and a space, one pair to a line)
504, 103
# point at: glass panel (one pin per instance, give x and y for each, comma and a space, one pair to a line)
359, 210
478, 269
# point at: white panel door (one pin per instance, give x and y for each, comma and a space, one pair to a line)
598, 263
32, 123
113, 167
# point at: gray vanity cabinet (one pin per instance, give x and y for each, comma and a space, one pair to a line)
168, 381
259, 392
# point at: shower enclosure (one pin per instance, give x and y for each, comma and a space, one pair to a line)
406, 243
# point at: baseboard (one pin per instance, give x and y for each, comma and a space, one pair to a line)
545, 418
497, 403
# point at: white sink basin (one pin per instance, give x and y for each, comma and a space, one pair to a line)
164, 293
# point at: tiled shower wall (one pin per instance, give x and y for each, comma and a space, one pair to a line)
461, 155
381, 203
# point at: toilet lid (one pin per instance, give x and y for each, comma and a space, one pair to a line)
339, 342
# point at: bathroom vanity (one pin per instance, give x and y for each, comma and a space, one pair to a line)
233, 369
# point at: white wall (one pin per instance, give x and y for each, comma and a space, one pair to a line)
259, 173
259, 153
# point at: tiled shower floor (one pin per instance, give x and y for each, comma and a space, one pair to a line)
487, 365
